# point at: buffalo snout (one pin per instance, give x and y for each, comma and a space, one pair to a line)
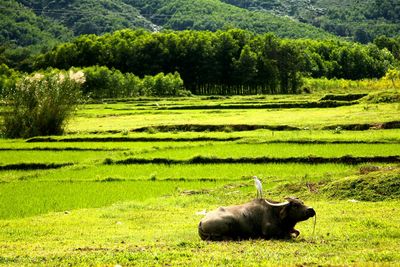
310, 212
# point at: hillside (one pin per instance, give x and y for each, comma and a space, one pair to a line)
215, 14
29, 22
90, 16
20, 26
361, 21
23, 20
31, 26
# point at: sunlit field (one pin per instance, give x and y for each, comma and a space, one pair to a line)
130, 180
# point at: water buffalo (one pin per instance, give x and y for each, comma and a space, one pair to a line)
259, 218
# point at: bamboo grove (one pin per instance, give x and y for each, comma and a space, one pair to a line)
223, 62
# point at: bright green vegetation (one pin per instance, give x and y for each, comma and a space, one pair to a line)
130, 117
95, 211
32, 198
224, 172
279, 150
375, 184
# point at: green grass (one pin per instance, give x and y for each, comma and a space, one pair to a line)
257, 136
277, 150
186, 151
91, 213
314, 118
269, 173
80, 152
380, 184
153, 233
22, 199
8, 157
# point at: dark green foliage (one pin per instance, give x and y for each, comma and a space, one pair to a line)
209, 63
33, 166
333, 59
260, 160
8, 79
219, 63
364, 126
344, 97
40, 104
45, 22
214, 15
362, 21
90, 16
23, 33
101, 82
20, 26
391, 44
215, 128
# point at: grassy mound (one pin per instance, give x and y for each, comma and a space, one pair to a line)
378, 185
373, 183
388, 96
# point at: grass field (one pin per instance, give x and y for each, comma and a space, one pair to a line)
120, 188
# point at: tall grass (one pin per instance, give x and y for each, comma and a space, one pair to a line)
41, 104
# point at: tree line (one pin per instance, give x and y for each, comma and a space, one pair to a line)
101, 82
223, 62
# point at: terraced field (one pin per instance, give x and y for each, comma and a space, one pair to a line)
128, 182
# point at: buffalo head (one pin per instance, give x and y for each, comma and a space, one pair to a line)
292, 212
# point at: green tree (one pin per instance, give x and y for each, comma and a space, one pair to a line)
245, 68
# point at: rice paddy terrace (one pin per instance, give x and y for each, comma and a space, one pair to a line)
128, 182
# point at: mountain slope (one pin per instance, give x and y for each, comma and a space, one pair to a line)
45, 22
359, 20
214, 14
90, 16
27, 22
21, 27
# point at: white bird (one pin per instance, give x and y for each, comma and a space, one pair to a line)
258, 185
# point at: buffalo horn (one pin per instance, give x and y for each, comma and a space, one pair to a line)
277, 204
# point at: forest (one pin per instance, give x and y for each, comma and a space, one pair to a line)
225, 62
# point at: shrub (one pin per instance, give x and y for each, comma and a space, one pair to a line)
8, 78
102, 82
40, 104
